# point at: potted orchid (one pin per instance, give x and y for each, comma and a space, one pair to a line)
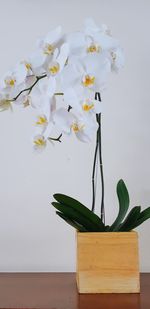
63, 80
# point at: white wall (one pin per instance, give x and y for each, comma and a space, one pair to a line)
32, 238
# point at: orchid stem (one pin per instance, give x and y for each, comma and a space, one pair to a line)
101, 170
57, 139
29, 89
93, 174
98, 147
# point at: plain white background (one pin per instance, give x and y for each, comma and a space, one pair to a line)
32, 238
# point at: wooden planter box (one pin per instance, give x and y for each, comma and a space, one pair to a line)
107, 262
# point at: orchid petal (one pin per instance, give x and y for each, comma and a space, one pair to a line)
90, 26
71, 98
54, 35
63, 120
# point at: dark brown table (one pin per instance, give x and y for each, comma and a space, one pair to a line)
58, 291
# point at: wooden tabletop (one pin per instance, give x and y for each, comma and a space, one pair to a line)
58, 291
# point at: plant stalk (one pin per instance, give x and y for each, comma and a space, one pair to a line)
98, 151
101, 169
93, 174
29, 89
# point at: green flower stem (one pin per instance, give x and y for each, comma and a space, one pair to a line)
29, 89
58, 139
101, 169
93, 173
98, 147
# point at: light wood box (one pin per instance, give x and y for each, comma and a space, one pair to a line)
107, 262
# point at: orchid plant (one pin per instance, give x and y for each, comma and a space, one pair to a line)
63, 80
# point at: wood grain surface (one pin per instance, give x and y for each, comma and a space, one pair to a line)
108, 262
59, 291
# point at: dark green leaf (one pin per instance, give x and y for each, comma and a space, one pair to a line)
107, 227
130, 221
81, 209
123, 198
144, 215
76, 215
74, 224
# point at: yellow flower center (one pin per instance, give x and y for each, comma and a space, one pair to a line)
10, 82
87, 107
76, 127
40, 142
28, 66
48, 49
5, 104
88, 81
93, 48
41, 120
54, 69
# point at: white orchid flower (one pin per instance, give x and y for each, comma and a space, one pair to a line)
56, 65
38, 99
93, 40
13, 81
90, 27
63, 120
45, 87
28, 66
44, 125
46, 47
98, 38
41, 122
5, 103
39, 143
94, 72
83, 127
70, 76
44, 121
41, 94
91, 73
76, 65
43, 100
77, 43
49, 43
84, 104
24, 100
34, 64
117, 59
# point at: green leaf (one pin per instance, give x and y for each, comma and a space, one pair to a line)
123, 197
82, 211
144, 215
74, 224
75, 215
130, 220
107, 227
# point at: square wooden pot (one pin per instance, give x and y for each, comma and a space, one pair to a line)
107, 262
